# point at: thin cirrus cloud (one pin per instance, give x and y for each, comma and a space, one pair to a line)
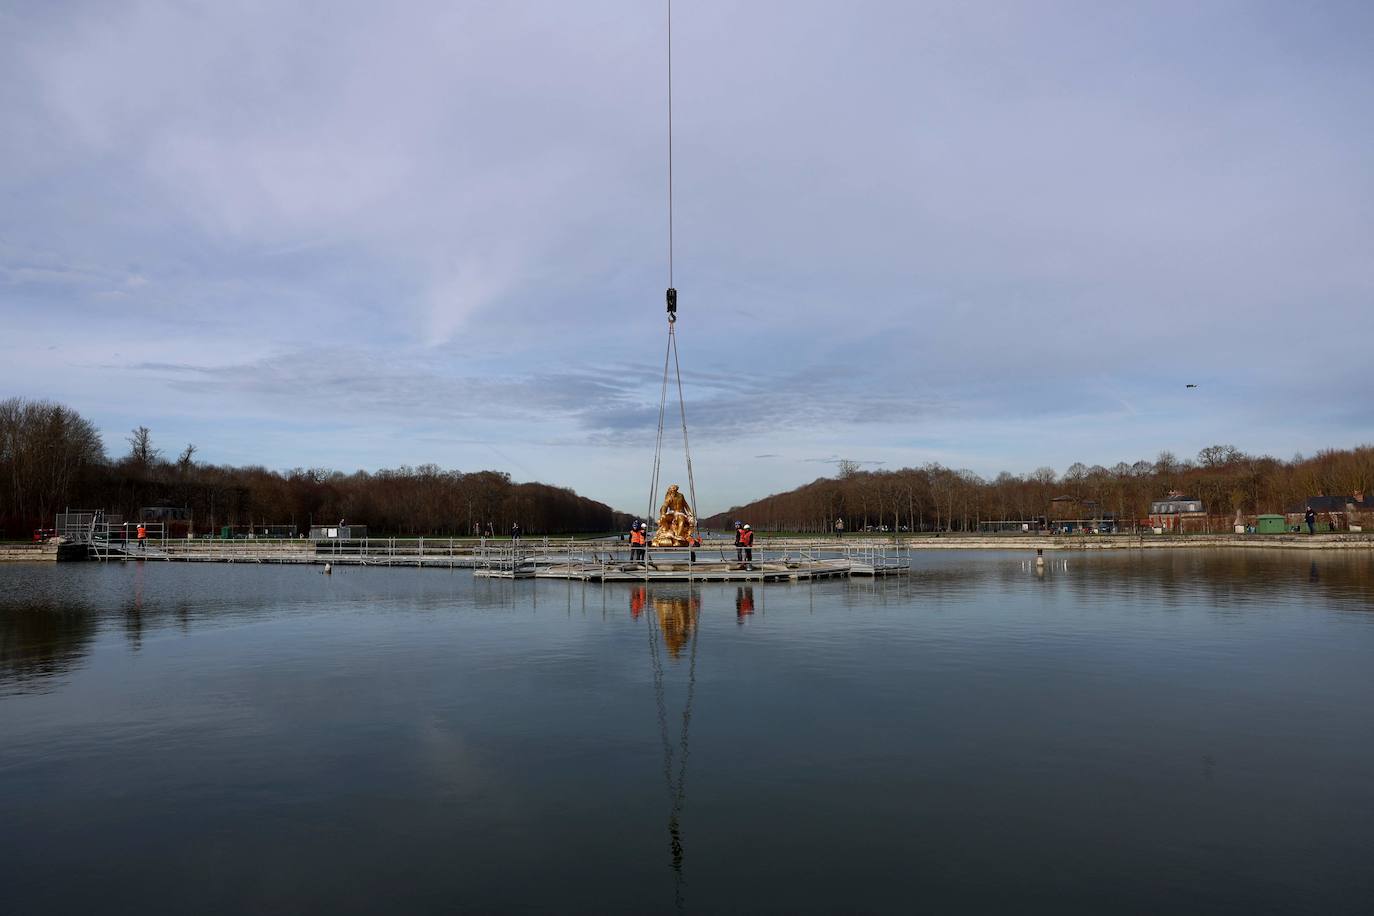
993, 236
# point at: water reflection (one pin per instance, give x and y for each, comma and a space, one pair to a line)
1173, 578
133, 609
676, 611
40, 641
744, 603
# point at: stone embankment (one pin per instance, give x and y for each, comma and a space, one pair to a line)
28, 553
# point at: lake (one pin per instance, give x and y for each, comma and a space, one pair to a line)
1171, 731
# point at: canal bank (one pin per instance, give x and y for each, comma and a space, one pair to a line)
457, 553
1343, 541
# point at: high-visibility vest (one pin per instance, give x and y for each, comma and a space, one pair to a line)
746, 538
637, 538
696, 540
142, 532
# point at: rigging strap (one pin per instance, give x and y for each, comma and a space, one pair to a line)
672, 364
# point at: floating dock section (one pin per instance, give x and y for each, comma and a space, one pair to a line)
89, 535
804, 565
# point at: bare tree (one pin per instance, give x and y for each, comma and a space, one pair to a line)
45, 452
141, 451
1216, 456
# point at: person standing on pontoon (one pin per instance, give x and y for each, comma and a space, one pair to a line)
637, 551
744, 546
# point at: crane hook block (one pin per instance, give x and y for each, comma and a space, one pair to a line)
672, 304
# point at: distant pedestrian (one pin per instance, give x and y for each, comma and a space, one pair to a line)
694, 541
839, 527
515, 533
1311, 518
142, 537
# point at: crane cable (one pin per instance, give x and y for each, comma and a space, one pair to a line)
671, 351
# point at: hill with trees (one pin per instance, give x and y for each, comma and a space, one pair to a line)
936, 498
51, 458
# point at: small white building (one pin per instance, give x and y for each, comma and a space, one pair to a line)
337, 532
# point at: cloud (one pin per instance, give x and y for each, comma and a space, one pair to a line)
587, 404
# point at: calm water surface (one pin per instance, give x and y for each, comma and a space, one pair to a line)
1173, 732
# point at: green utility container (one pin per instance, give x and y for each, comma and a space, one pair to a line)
226, 533
1271, 524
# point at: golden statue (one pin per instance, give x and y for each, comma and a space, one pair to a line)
675, 520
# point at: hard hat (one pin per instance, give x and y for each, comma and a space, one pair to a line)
746, 526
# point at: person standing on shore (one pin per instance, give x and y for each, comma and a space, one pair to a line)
1311, 518
515, 533
839, 527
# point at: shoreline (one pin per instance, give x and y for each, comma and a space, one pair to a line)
413, 551
1345, 541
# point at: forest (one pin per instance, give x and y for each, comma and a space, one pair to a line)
52, 458
937, 498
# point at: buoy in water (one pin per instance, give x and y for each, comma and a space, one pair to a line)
329, 569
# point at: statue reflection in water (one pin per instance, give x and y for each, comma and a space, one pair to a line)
674, 623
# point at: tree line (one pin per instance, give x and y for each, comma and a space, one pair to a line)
52, 459
936, 498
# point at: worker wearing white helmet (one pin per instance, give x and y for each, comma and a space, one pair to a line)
744, 545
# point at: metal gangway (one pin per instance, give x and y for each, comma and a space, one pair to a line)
109, 536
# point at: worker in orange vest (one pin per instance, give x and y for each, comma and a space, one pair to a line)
694, 541
142, 533
637, 552
744, 540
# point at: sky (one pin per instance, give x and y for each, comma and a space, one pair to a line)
995, 236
